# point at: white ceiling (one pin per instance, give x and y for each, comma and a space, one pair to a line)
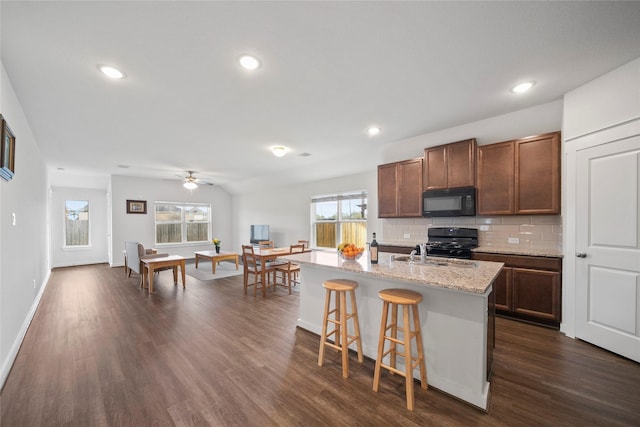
330, 70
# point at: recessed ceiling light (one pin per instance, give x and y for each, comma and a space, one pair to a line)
249, 62
374, 130
279, 151
111, 72
522, 87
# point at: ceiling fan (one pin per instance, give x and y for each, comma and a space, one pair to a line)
191, 182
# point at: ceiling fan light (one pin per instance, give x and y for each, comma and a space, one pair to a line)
279, 151
190, 185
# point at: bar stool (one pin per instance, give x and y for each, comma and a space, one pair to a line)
409, 300
342, 339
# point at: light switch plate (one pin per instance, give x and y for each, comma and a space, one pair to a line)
407, 235
484, 228
513, 240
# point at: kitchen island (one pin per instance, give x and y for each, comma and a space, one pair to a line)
456, 320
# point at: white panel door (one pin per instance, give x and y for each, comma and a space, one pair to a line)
608, 246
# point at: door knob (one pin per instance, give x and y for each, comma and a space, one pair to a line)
581, 254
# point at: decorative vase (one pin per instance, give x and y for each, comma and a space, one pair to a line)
217, 249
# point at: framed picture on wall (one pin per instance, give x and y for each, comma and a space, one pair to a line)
7, 152
136, 206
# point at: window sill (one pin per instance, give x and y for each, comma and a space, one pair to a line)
77, 248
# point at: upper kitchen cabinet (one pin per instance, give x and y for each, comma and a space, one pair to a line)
450, 166
520, 177
496, 184
538, 175
400, 189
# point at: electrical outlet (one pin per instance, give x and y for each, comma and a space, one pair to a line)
484, 228
34, 283
513, 240
407, 235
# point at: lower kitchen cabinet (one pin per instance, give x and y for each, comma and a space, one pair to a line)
528, 288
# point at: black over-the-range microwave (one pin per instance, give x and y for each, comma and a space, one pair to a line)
449, 202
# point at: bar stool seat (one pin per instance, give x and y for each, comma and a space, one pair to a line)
342, 339
409, 301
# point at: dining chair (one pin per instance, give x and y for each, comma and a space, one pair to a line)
252, 267
289, 271
304, 242
266, 244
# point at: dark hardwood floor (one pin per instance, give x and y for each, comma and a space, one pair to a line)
100, 352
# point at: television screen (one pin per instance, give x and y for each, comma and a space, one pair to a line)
259, 233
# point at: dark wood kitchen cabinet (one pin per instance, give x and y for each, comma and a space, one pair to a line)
450, 165
400, 189
528, 287
520, 177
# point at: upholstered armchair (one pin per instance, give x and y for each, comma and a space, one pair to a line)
135, 253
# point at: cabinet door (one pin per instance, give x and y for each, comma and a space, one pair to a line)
538, 174
495, 179
435, 168
461, 164
537, 293
502, 289
410, 188
387, 190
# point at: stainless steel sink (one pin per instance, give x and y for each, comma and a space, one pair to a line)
418, 260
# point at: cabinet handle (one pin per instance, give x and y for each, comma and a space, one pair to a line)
581, 254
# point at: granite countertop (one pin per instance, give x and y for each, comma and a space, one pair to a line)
460, 275
504, 250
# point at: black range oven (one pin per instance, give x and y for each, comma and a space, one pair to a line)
451, 242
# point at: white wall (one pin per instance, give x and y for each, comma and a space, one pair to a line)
24, 266
287, 208
141, 227
609, 100
96, 252
530, 121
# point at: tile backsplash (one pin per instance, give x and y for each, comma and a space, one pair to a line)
530, 232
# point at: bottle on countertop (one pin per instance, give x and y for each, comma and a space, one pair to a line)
373, 250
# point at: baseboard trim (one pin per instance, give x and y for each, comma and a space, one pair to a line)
7, 364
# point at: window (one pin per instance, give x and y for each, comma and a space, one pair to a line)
76, 223
182, 222
339, 218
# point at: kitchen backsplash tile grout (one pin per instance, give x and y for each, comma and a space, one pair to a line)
532, 232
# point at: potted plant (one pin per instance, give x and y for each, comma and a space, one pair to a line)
216, 243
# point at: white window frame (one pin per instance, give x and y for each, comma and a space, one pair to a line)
338, 197
183, 229
64, 226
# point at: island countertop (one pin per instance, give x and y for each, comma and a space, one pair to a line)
461, 275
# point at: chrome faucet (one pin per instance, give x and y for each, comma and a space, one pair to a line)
423, 251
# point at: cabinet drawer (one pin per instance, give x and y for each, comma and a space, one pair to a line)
522, 261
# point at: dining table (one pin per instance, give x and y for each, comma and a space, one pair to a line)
269, 255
